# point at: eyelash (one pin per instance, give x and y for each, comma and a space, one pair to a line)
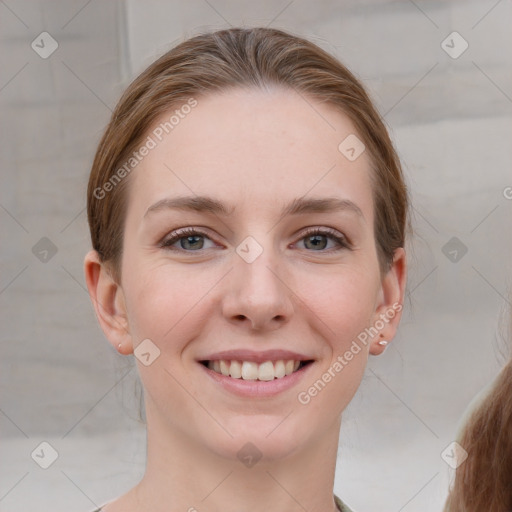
186, 232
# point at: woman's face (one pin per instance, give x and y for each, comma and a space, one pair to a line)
252, 278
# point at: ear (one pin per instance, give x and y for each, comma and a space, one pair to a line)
390, 303
108, 301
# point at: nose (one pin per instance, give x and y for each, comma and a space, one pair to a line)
258, 294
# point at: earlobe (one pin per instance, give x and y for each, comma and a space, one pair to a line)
389, 310
108, 302
378, 346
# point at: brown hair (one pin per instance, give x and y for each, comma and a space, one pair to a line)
254, 57
484, 480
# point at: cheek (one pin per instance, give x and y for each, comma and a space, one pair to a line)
161, 302
344, 301
350, 305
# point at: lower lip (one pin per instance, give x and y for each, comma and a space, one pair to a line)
257, 388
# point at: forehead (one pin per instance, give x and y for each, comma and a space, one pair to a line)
250, 148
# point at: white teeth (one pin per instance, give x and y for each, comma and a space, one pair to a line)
249, 370
224, 368
279, 369
266, 371
235, 370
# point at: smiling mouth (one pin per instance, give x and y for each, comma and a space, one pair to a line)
249, 370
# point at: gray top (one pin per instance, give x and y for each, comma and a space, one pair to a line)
341, 506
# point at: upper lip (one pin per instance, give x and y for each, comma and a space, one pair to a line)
257, 357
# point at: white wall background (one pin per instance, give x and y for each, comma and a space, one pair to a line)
451, 120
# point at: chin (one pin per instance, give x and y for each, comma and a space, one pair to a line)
267, 438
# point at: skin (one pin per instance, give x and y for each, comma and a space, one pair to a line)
273, 147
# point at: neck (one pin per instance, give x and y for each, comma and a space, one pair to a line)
187, 476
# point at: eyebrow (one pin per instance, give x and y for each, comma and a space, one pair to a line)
298, 206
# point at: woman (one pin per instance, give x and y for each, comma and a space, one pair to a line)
483, 481
248, 216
